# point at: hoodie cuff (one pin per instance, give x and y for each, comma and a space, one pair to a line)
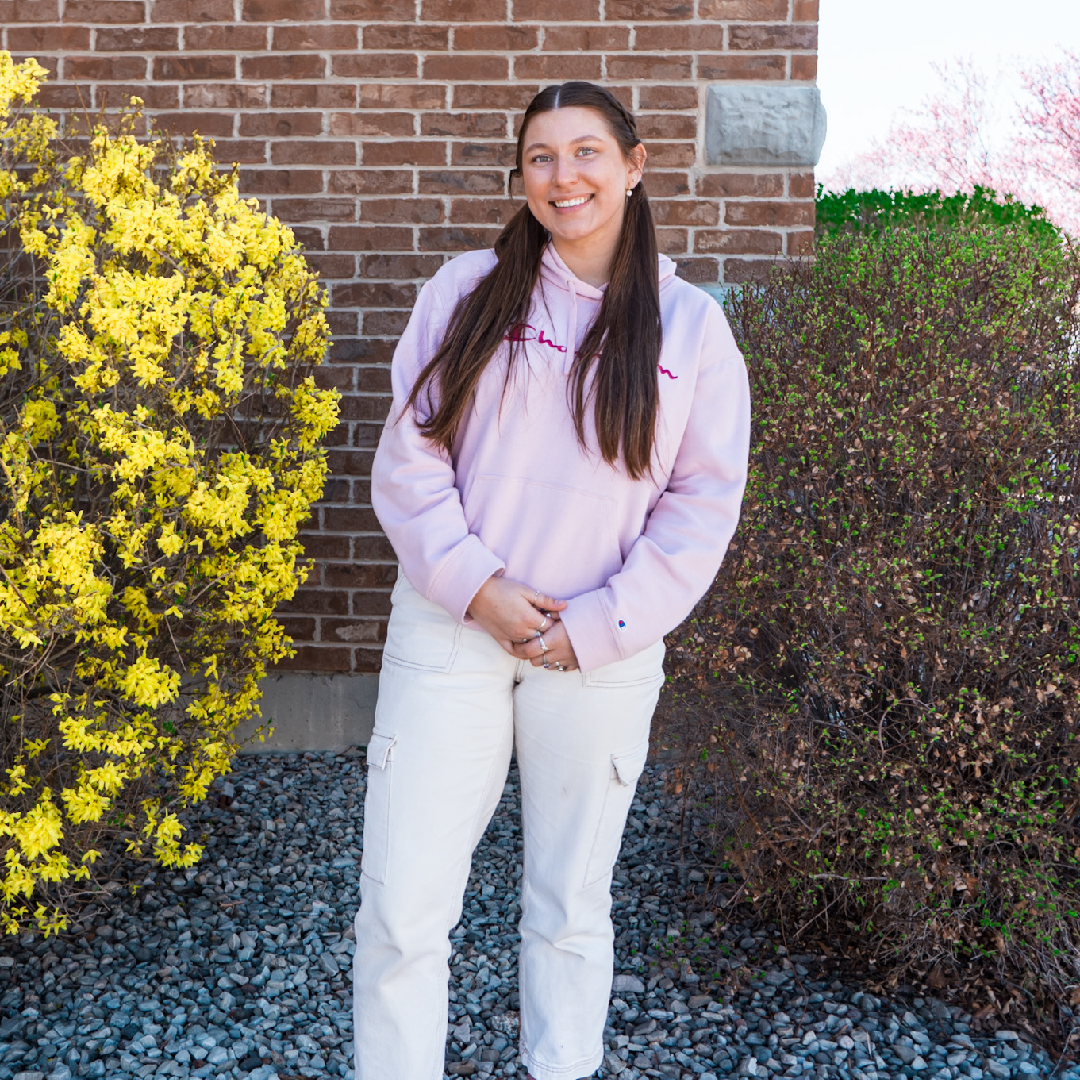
590, 632
470, 564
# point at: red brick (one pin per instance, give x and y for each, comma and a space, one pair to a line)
373, 378
391, 96
361, 576
457, 238
685, 212
667, 126
243, 151
349, 519
371, 631
188, 122
660, 66
369, 10
103, 68
668, 97
192, 13
51, 96
399, 267
328, 377
404, 153
552, 67
153, 96
466, 67
371, 603
137, 39
313, 96
660, 185
99, 12
486, 11
365, 65
736, 185
672, 241
328, 267
738, 242
385, 323
370, 238
369, 407
806, 11
224, 96
281, 181
684, 37
296, 38
368, 435
557, 11
343, 323
298, 629
698, 270
505, 38
800, 243
28, 11
300, 152
586, 38
325, 547
403, 211
317, 602
308, 237
804, 68
802, 185
492, 125
641, 10
293, 11
769, 213
482, 211
352, 462
369, 123
316, 658
744, 10
367, 661
369, 351
672, 155
370, 182
292, 66
281, 124
772, 37
462, 182
713, 67
509, 96
51, 38
489, 153
740, 271
188, 68
406, 37
237, 38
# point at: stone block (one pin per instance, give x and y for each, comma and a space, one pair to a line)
764, 125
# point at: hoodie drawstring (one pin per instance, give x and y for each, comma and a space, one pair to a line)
571, 324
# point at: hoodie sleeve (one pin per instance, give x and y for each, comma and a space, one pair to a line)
675, 560
412, 480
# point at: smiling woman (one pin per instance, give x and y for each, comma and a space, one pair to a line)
560, 475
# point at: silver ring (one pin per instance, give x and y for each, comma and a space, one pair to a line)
542, 626
536, 595
546, 666
560, 667
543, 644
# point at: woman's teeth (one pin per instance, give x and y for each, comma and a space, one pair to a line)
561, 203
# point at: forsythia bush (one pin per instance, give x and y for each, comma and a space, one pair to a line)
159, 430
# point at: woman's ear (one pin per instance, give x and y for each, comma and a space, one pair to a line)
635, 165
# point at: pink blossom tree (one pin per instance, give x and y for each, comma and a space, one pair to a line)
959, 138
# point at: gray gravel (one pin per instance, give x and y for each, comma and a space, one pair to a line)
240, 966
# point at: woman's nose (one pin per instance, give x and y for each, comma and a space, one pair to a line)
565, 170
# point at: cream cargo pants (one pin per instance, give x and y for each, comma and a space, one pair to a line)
451, 706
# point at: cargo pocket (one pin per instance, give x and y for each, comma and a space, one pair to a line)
420, 635
377, 807
625, 770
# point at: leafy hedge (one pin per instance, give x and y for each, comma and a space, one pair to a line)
882, 689
159, 429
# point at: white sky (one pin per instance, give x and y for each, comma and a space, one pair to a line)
875, 56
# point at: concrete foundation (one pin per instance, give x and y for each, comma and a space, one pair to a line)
315, 712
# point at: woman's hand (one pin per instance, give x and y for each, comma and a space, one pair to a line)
511, 612
559, 653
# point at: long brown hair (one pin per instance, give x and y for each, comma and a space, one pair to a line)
623, 342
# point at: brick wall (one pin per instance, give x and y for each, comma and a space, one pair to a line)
382, 131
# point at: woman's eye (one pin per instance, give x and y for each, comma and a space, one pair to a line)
584, 150
540, 159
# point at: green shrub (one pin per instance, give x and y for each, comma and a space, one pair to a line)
862, 211
882, 685
158, 453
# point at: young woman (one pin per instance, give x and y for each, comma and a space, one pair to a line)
560, 475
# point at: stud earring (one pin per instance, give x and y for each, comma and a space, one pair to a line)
629, 192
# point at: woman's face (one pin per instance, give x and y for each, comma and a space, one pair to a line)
576, 177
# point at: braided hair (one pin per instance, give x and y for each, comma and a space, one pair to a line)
621, 349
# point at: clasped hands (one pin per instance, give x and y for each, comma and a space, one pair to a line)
513, 614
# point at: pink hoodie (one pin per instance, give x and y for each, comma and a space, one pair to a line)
519, 495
